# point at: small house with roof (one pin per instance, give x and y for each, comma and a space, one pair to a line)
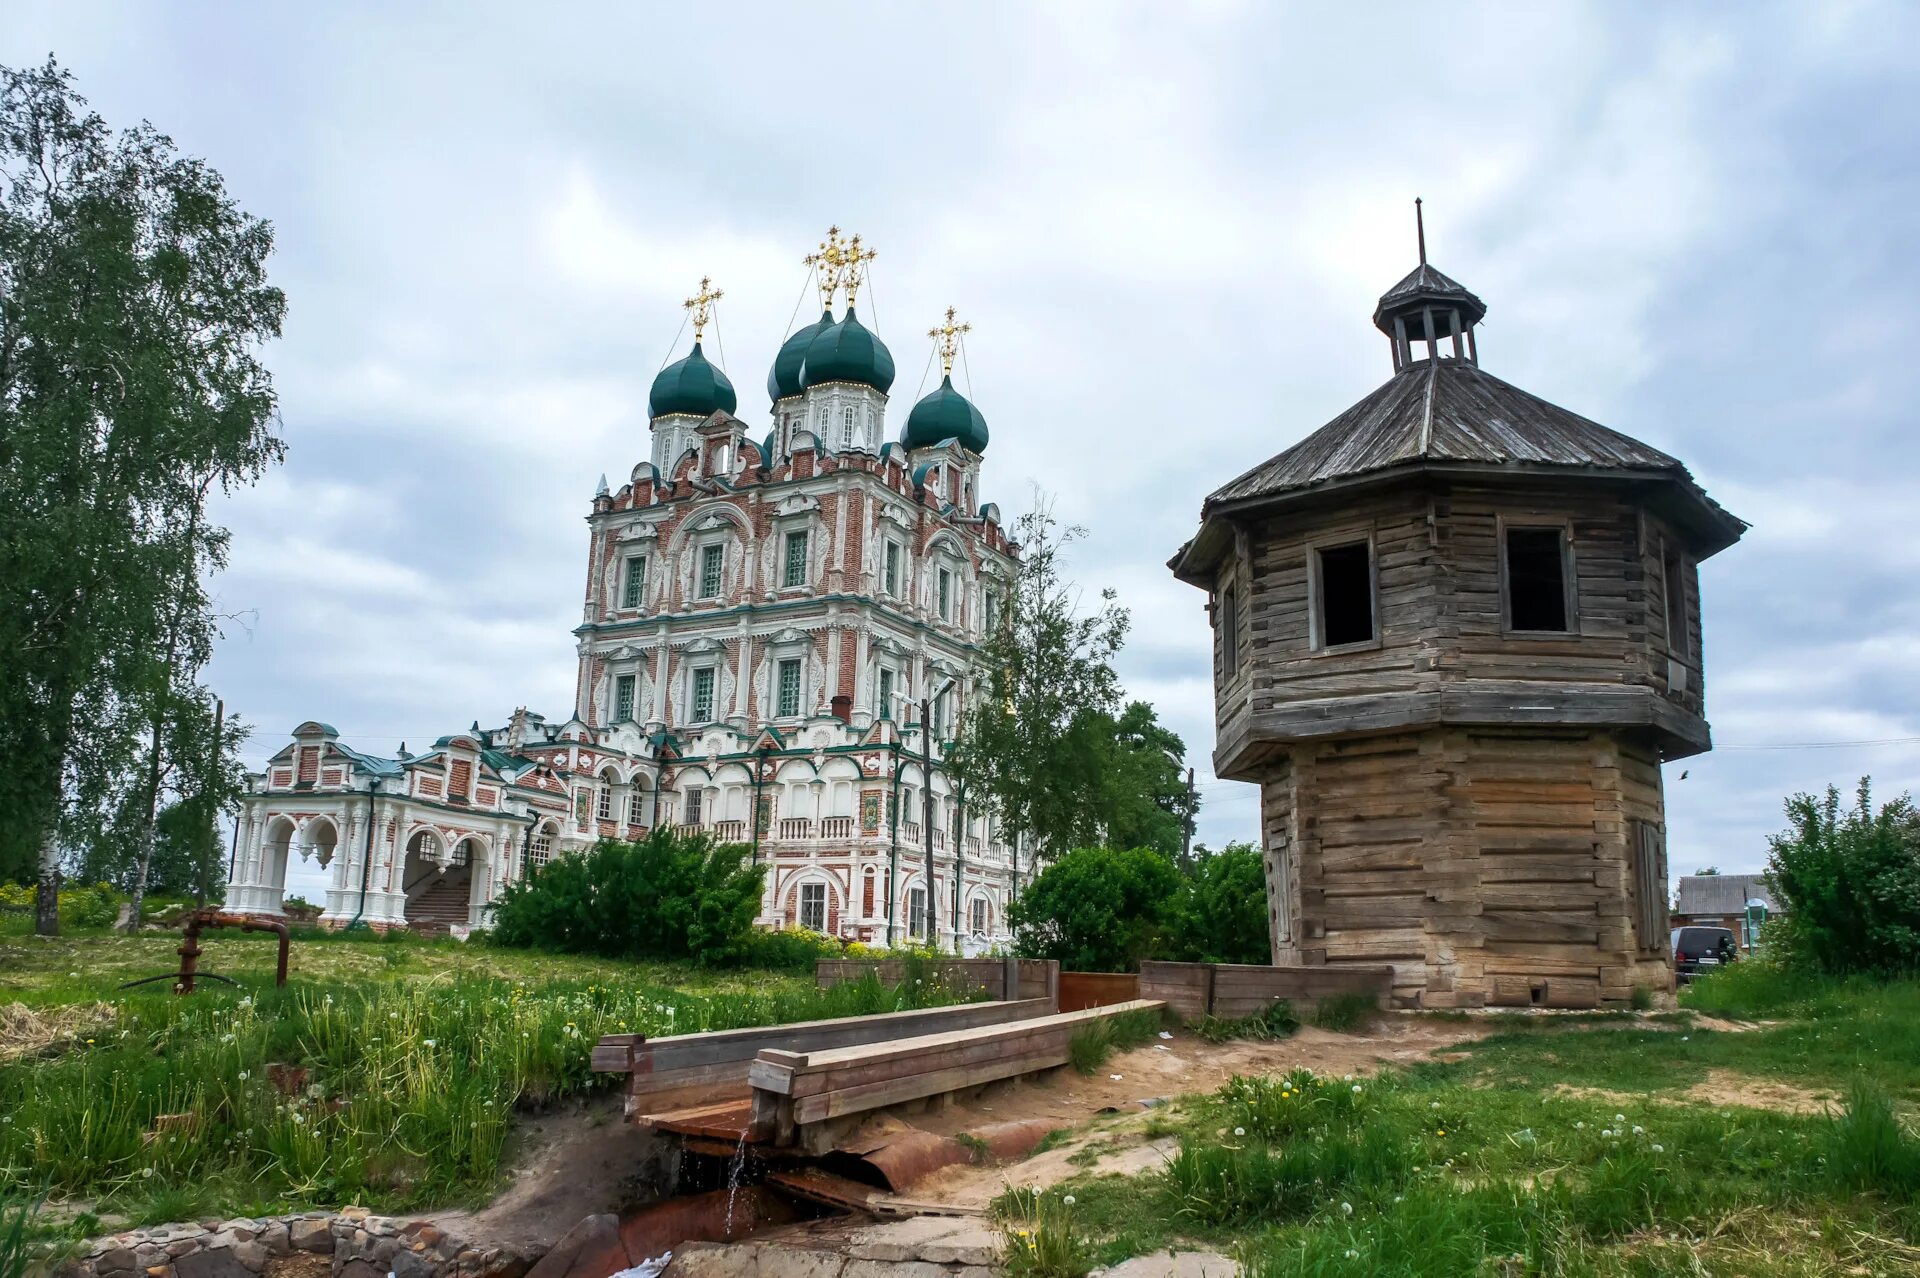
1457, 632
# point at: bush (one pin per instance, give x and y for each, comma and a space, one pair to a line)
791, 949
1848, 884
1222, 912
672, 895
1097, 909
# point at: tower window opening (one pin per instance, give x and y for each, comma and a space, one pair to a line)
1536, 579
1344, 594
703, 695
789, 690
945, 583
623, 698
795, 573
1673, 572
636, 583
711, 558
885, 707
1230, 632
893, 568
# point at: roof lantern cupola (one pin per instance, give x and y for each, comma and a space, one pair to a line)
693, 385
1429, 308
946, 413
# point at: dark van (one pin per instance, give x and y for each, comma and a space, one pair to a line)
1698, 949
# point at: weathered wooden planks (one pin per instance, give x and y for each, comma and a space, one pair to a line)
1233, 990
794, 1090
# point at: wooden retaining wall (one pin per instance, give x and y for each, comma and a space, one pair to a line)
1081, 990
1233, 990
1001, 978
808, 1098
718, 1060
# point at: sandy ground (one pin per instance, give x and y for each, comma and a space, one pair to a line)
1724, 1087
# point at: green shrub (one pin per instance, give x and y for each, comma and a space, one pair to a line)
672, 895
90, 907
1278, 1021
1090, 1047
1042, 1238
1097, 909
1221, 915
790, 949
1848, 883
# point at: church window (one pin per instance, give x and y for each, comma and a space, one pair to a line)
694, 797
989, 610
623, 698
946, 595
795, 573
1535, 578
789, 677
540, 850
886, 693
940, 716
846, 428
703, 694
1342, 594
603, 809
813, 906
633, 806
711, 559
979, 916
916, 911
1230, 632
635, 587
893, 569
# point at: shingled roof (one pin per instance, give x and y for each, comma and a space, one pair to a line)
1447, 411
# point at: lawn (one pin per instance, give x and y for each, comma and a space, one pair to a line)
1559, 1145
387, 1072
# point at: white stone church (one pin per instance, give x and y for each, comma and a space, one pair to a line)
765, 619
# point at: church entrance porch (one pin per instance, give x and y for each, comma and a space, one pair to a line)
438, 883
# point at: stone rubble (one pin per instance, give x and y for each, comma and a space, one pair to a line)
361, 1244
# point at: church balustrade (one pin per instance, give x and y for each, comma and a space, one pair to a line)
836, 827
910, 832
796, 827
731, 831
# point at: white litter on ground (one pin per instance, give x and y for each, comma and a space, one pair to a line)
646, 1269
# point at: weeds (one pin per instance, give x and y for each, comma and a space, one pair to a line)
1344, 1013
15, 1215
1278, 1021
1867, 1148
1090, 1046
1042, 1239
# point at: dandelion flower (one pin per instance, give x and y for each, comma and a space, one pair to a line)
1346, 1209
1579, 1127
1068, 1200
1441, 1132
1356, 1089
1434, 1105
1619, 1118
1639, 1130
1352, 1254
1239, 1131
1659, 1149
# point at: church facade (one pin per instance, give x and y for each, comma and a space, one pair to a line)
777, 633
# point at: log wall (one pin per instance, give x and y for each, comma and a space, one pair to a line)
1234, 990
1485, 866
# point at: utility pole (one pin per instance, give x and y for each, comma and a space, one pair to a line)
1186, 848
926, 814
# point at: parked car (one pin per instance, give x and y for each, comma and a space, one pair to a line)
1698, 949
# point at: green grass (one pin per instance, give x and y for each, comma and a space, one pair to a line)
405, 1063
1487, 1166
1344, 1013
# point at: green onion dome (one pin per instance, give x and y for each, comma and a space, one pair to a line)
691, 385
847, 352
784, 378
945, 414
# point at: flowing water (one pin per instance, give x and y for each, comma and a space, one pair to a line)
735, 1171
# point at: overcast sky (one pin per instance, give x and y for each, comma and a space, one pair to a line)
1168, 225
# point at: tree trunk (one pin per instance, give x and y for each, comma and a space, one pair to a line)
46, 921
146, 832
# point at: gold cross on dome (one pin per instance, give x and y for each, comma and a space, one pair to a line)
854, 268
830, 262
946, 339
701, 304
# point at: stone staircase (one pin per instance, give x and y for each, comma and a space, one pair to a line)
439, 905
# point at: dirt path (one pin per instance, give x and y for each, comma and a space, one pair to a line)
1110, 1121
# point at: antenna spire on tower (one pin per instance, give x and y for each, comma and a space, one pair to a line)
947, 340
701, 305
1420, 228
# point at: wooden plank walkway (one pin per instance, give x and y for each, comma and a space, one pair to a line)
797, 1095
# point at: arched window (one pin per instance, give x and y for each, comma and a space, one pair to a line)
540, 850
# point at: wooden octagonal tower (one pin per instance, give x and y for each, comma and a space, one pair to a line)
1456, 634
